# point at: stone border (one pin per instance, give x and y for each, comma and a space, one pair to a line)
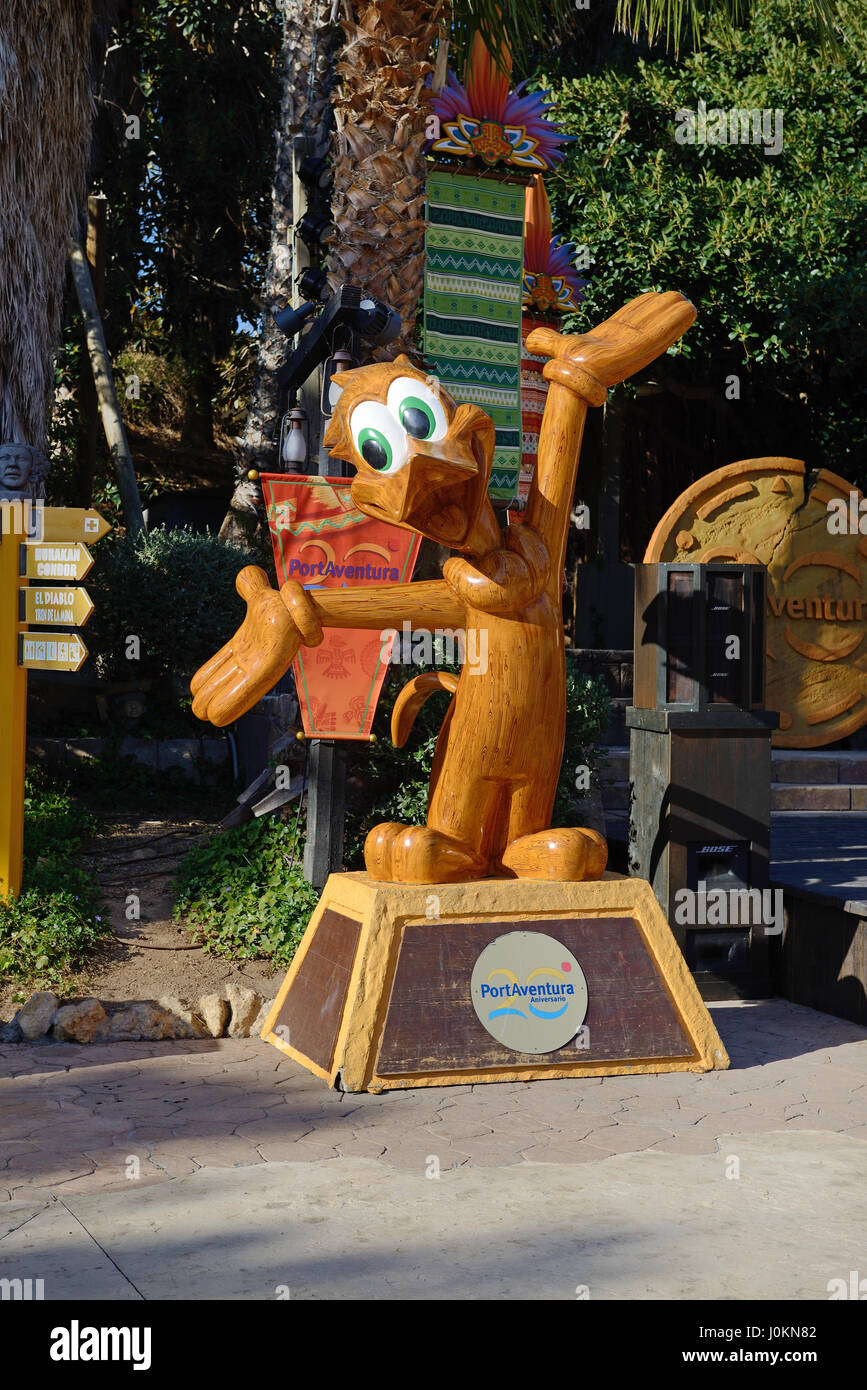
184, 754
239, 1013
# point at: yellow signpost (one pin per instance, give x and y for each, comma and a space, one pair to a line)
73, 524
59, 554
51, 651
55, 604
13, 715
58, 561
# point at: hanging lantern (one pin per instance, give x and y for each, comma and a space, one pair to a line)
293, 440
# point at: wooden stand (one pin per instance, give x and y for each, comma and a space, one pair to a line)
701, 814
379, 994
700, 761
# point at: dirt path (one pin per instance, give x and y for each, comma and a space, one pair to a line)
153, 955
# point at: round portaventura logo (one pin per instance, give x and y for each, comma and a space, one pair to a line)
529, 992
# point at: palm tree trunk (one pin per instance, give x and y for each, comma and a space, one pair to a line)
304, 110
379, 165
45, 116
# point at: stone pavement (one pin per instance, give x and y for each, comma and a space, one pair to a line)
221, 1169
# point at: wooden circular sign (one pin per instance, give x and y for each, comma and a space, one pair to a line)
809, 538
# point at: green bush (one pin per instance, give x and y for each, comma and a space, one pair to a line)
588, 708
162, 385
53, 926
771, 249
243, 893
175, 591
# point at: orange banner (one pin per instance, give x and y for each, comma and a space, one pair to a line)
323, 541
534, 391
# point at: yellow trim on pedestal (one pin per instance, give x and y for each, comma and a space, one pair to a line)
384, 909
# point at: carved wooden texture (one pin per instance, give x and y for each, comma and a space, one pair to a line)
431, 1024
498, 756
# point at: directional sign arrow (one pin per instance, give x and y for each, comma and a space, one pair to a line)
55, 605
51, 651
73, 524
55, 561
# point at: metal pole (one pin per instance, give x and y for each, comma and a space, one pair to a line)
326, 806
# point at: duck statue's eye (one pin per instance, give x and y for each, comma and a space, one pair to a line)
419, 410
378, 437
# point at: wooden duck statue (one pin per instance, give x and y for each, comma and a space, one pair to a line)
423, 462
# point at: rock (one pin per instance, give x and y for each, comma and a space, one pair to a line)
214, 1010
10, 1032
259, 1021
186, 1015
215, 750
84, 750
146, 1021
179, 755
245, 1005
46, 750
78, 1022
141, 750
35, 1018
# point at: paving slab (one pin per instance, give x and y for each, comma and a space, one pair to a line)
638, 1226
54, 1246
249, 1175
229, 1103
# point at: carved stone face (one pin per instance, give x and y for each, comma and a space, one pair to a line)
20, 469
422, 462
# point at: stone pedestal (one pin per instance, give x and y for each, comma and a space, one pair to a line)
388, 990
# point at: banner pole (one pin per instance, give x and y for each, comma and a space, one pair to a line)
13, 713
326, 806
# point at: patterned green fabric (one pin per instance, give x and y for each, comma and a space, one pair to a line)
474, 246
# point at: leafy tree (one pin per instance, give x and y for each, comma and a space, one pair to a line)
771, 249
175, 590
195, 223
676, 20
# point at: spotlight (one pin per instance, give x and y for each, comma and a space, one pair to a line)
378, 322
347, 310
289, 320
314, 172
312, 282
315, 227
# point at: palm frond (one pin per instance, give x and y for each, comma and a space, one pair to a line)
520, 21
677, 20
